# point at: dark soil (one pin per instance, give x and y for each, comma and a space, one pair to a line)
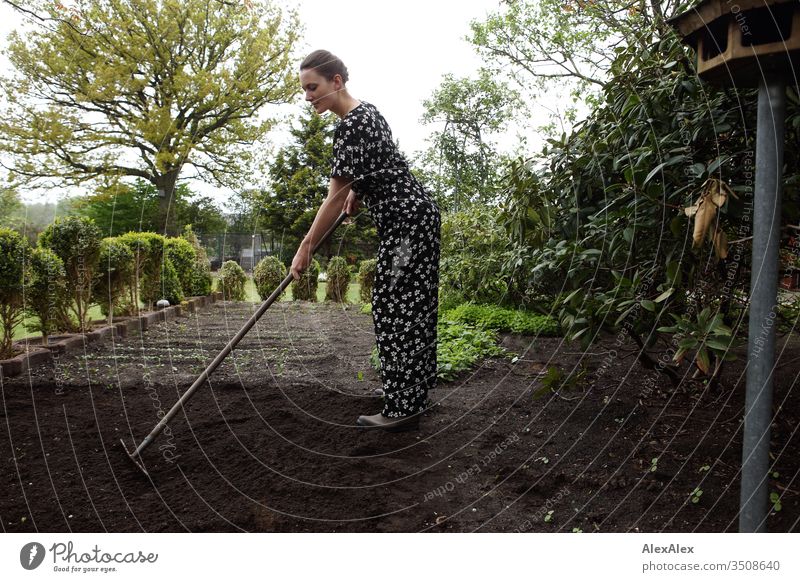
271, 445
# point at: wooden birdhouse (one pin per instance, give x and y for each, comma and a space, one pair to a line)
740, 42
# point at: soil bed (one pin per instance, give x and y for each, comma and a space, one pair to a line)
271, 444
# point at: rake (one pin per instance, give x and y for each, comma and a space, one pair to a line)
136, 455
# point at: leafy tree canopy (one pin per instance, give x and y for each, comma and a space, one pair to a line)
143, 87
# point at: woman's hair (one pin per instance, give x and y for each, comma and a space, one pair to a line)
326, 64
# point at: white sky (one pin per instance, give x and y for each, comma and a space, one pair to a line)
396, 53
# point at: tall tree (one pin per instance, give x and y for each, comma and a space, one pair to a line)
142, 88
299, 177
10, 205
461, 160
572, 43
118, 208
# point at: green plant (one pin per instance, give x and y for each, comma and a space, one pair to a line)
76, 241
503, 319
472, 256
338, 272
268, 275
181, 254
696, 494
13, 255
231, 281
201, 271
166, 286
654, 464
148, 254
366, 278
305, 288
775, 500
460, 346
708, 336
114, 275
45, 291
549, 516
555, 380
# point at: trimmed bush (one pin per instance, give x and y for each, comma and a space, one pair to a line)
165, 286
501, 319
201, 272
148, 253
232, 279
76, 241
181, 254
366, 278
338, 280
268, 274
114, 275
13, 254
305, 288
46, 294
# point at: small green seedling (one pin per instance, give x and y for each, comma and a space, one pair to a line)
577, 530
775, 499
696, 494
704, 468
360, 376
654, 464
549, 517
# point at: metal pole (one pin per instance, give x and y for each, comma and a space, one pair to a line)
754, 500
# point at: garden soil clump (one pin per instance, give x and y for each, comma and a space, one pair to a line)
270, 444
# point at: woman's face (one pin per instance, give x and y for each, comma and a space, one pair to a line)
321, 93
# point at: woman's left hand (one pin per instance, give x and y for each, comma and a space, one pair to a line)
301, 261
351, 204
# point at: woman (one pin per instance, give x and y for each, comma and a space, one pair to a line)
368, 167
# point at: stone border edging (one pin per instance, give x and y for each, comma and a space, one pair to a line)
35, 354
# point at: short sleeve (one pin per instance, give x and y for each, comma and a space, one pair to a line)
348, 152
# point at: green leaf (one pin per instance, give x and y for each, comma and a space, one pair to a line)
716, 344
664, 295
648, 305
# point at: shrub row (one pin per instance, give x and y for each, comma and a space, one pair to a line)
72, 267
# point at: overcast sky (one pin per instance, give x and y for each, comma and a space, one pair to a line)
396, 52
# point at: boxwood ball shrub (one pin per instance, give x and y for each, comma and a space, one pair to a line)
268, 274
305, 288
114, 275
338, 279
45, 291
13, 252
76, 241
366, 279
231, 281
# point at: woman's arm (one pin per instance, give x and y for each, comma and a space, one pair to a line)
326, 215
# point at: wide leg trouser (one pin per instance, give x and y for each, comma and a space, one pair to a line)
405, 305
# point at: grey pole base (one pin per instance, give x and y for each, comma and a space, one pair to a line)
754, 501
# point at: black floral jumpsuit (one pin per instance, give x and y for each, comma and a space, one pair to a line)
405, 293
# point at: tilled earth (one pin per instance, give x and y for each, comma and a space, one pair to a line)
270, 444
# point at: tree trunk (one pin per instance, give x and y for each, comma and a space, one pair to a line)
165, 183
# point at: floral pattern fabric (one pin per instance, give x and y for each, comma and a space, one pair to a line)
405, 292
